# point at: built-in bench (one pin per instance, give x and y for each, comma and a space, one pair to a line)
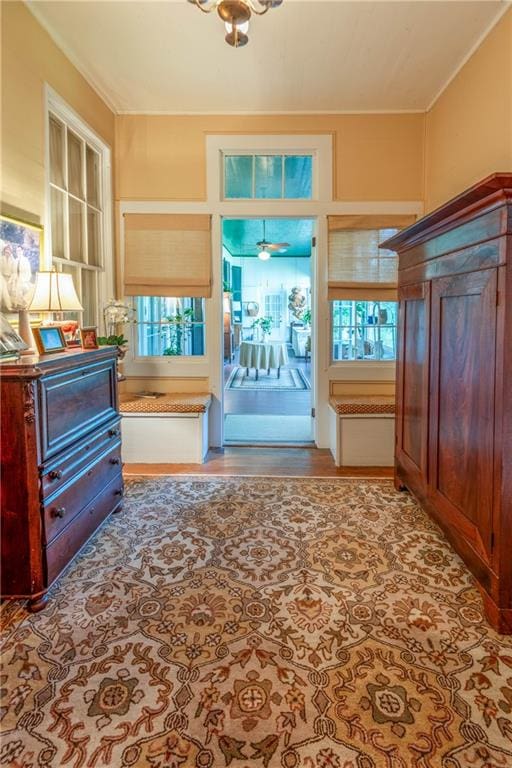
171, 429
362, 430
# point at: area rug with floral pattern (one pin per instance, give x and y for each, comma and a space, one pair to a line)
257, 623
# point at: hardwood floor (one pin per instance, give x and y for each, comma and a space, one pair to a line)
296, 462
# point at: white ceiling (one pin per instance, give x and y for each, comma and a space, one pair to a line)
306, 56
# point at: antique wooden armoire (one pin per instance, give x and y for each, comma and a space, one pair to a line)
454, 379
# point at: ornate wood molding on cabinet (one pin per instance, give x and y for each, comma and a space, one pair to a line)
454, 379
61, 463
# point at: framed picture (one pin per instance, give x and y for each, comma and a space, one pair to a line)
89, 338
49, 338
21, 246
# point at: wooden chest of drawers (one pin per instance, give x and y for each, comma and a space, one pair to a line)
61, 463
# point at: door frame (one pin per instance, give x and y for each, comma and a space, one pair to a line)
312, 274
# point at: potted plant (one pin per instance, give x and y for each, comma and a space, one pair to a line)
263, 325
179, 330
115, 315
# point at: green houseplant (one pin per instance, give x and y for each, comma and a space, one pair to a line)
264, 325
179, 330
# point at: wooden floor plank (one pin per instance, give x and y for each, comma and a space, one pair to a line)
296, 462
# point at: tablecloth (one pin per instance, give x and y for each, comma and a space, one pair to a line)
266, 355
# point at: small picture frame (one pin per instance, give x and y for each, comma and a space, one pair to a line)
49, 339
89, 337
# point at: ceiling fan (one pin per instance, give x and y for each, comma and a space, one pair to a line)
266, 247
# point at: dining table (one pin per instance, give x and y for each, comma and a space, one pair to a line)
263, 355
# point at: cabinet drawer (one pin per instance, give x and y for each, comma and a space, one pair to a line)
61, 508
58, 472
74, 403
73, 537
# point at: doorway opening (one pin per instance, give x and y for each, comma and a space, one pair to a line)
267, 350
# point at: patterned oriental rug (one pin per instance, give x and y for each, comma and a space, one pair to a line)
257, 623
290, 379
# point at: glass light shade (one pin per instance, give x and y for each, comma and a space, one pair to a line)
264, 255
244, 28
54, 292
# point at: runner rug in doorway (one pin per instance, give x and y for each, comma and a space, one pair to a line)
291, 379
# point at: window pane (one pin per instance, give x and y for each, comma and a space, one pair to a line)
93, 238
57, 201
93, 177
75, 274
238, 176
298, 170
75, 178
56, 152
89, 297
170, 327
76, 223
364, 330
269, 176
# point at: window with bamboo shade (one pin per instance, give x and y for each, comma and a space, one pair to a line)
362, 287
167, 255
357, 268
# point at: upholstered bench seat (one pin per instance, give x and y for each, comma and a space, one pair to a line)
369, 404
171, 429
172, 403
362, 430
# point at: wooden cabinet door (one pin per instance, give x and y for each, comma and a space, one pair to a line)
412, 386
462, 382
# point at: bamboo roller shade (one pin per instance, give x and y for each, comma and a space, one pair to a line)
167, 255
357, 268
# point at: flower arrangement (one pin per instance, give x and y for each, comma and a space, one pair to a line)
116, 313
263, 325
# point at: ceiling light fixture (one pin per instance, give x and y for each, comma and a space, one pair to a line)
236, 14
264, 255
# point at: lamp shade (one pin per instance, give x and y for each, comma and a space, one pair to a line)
54, 292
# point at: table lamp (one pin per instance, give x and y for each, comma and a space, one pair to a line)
54, 292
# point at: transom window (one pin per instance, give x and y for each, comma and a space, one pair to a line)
364, 330
170, 327
77, 205
268, 176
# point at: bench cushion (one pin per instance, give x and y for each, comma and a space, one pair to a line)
365, 404
170, 403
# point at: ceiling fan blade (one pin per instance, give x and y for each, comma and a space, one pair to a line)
274, 246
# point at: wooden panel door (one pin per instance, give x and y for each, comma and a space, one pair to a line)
461, 436
412, 387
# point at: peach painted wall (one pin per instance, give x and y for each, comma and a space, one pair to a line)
377, 157
30, 58
469, 128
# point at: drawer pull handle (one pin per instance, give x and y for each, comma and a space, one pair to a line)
55, 474
114, 432
92, 511
59, 512
87, 448
115, 461
89, 473
119, 492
